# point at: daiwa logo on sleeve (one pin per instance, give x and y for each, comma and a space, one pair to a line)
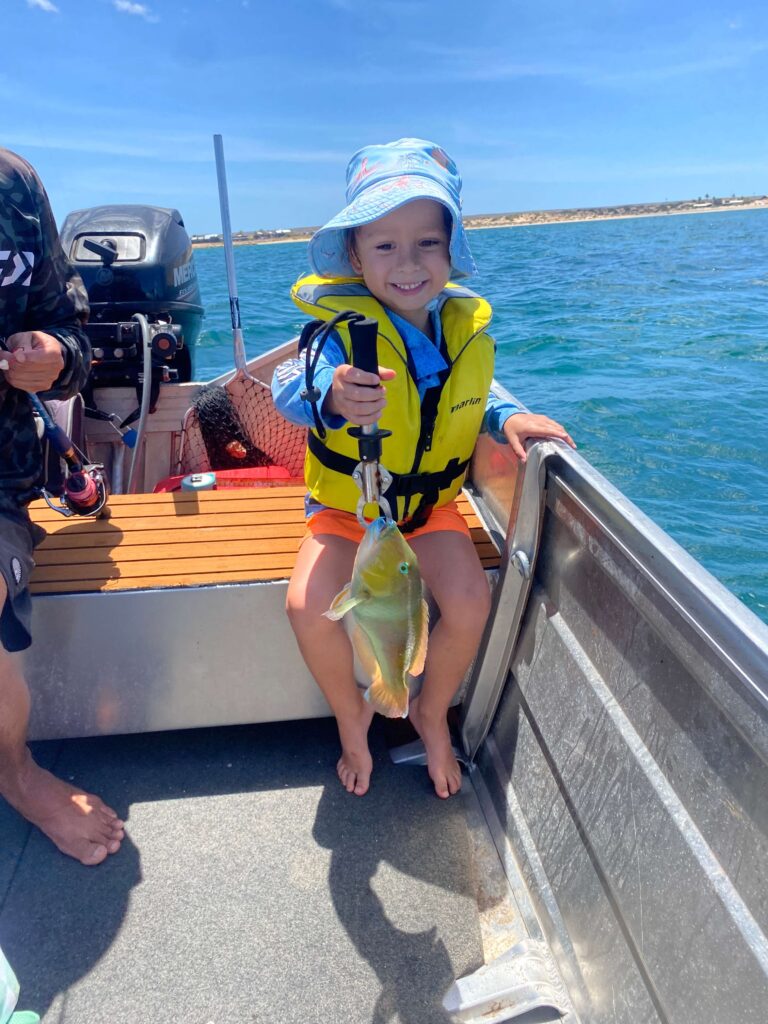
16, 267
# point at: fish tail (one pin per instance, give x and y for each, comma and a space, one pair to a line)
387, 703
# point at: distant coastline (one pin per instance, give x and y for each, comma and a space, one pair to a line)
512, 220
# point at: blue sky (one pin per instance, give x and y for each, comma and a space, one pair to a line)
543, 105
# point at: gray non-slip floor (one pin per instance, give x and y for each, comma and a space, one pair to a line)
250, 888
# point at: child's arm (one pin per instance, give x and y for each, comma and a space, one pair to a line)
347, 395
288, 381
497, 411
508, 423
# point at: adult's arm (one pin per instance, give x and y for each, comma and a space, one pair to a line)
57, 302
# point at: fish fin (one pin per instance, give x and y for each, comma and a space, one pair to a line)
342, 604
419, 656
387, 703
378, 694
364, 651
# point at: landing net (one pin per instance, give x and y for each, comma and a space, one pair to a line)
238, 426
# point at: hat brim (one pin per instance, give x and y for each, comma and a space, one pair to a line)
328, 249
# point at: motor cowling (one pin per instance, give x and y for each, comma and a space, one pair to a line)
136, 259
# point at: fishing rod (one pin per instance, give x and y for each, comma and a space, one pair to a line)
85, 486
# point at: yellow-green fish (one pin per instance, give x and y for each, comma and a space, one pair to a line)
388, 617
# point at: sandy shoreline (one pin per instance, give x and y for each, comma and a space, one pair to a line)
481, 222
566, 216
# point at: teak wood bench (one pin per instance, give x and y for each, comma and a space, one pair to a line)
185, 539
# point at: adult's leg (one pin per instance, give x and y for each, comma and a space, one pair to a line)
80, 824
452, 571
323, 566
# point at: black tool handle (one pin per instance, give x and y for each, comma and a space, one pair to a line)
363, 335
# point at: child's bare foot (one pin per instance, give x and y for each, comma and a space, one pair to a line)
78, 823
355, 764
442, 765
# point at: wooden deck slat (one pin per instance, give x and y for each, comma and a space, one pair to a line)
203, 521
171, 509
154, 561
160, 552
63, 541
200, 502
63, 546
191, 579
185, 539
171, 523
113, 527
159, 568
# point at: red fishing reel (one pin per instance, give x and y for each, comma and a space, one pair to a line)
85, 493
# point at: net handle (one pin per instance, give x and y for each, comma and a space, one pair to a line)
229, 255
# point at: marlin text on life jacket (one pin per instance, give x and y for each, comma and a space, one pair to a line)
467, 401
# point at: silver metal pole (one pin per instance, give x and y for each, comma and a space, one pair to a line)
229, 254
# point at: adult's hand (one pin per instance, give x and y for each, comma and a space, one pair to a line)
35, 360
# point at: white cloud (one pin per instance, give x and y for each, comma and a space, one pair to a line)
172, 147
43, 5
127, 7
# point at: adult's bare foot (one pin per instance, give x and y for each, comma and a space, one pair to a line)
442, 765
78, 823
355, 764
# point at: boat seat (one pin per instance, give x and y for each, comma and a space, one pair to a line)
184, 539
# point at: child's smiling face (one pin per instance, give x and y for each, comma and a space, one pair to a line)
404, 258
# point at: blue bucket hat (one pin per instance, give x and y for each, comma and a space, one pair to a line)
379, 180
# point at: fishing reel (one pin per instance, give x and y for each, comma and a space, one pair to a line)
85, 488
85, 492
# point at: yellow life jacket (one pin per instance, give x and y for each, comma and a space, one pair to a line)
429, 449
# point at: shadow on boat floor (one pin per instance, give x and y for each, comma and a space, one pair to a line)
250, 886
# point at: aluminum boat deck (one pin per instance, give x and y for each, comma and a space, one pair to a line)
250, 887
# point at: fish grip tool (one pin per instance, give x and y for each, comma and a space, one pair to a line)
370, 476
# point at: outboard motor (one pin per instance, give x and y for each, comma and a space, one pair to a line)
136, 260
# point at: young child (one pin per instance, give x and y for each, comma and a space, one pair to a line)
392, 254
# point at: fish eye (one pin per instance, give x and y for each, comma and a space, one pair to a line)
403, 568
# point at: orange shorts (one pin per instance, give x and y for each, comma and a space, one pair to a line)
345, 524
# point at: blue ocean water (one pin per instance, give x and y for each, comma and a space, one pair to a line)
647, 338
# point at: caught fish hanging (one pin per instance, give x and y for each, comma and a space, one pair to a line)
387, 616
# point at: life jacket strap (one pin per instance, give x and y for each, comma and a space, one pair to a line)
404, 485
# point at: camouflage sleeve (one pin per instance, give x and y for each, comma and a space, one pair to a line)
58, 302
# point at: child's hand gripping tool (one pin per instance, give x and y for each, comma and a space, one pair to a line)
370, 476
